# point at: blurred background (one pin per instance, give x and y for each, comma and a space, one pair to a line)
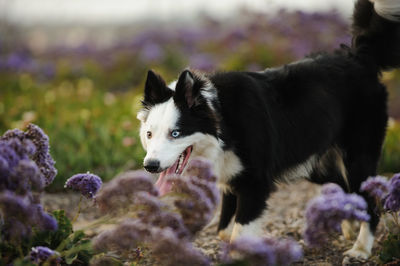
76, 68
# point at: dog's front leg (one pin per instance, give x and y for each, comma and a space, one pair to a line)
251, 207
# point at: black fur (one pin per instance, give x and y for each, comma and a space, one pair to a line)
155, 90
195, 113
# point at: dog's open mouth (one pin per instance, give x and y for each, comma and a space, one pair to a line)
177, 168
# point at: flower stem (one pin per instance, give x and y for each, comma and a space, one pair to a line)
79, 210
396, 219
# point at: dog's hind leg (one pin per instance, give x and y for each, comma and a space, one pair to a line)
359, 169
226, 221
330, 168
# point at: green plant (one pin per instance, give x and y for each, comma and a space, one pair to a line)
390, 248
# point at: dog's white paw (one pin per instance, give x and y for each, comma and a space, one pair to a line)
361, 250
225, 235
355, 255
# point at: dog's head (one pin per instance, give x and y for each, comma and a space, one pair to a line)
178, 122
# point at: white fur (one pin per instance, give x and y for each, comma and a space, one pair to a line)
142, 115
302, 170
226, 233
254, 228
227, 166
389, 9
210, 94
160, 121
363, 246
347, 229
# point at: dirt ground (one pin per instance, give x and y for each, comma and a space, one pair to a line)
285, 219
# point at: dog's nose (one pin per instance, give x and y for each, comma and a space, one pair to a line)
152, 166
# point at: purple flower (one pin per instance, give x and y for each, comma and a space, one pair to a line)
252, 250
16, 216
153, 212
9, 155
377, 186
392, 201
18, 62
331, 188
42, 155
41, 254
4, 167
151, 203
15, 231
121, 191
325, 213
32, 144
209, 188
192, 202
18, 172
26, 177
20, 212
152, 52
12, 205
125, 236
204, 62
286, 251
262, 251
165, 219
170, 250
42, 219
88, 184
200, 168
195, 194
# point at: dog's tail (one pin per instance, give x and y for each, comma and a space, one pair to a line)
376, 32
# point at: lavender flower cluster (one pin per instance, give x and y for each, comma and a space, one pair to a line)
120, 193
26, 168
167, 233
325, 213
262, 251
87, 184
387, 192
41, 254
197, 194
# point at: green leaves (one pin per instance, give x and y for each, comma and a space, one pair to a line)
53, 239
390, 249
74, 247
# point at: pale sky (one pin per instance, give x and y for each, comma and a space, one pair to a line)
122, 11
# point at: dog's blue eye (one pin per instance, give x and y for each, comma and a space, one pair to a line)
175, 133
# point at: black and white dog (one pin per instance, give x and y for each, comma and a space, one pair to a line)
323, 118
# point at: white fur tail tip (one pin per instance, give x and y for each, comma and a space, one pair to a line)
388, 9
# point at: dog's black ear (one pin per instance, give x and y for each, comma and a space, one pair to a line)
155, 90
187, 90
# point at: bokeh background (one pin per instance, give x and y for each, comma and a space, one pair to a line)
76, 68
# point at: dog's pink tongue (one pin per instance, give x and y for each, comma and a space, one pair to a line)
163, 185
